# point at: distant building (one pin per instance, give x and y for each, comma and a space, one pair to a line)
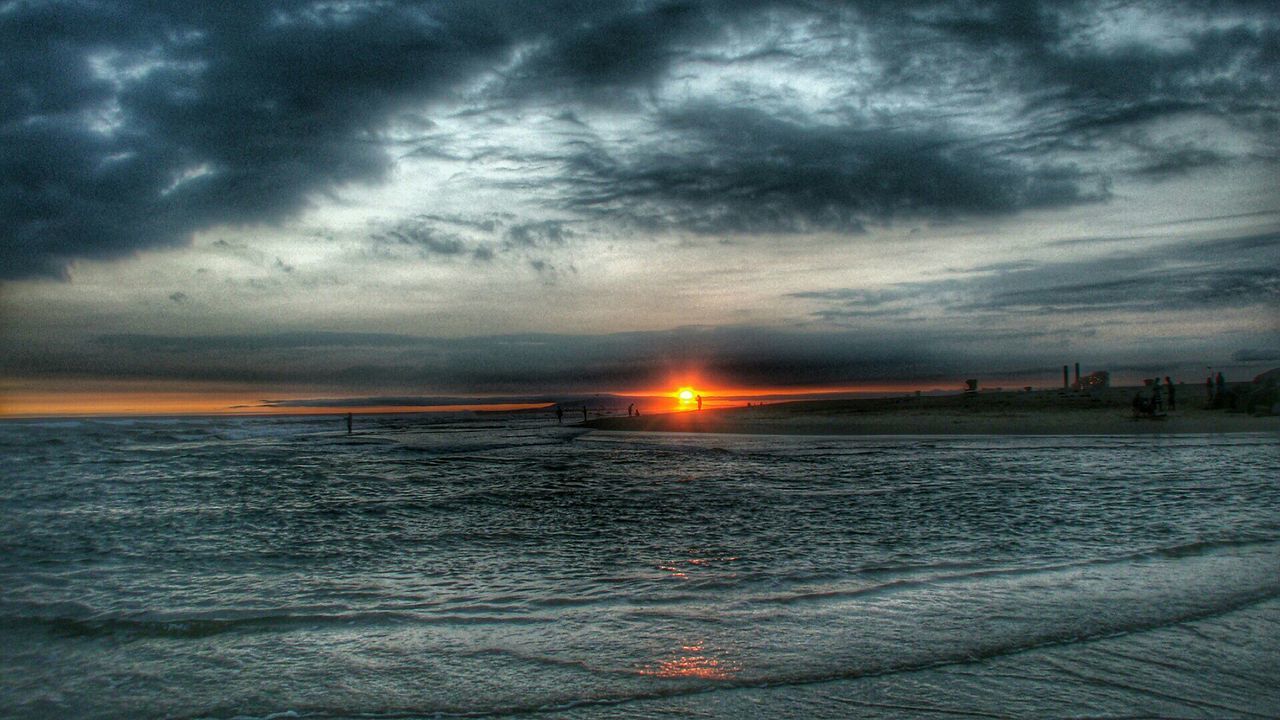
1097, 380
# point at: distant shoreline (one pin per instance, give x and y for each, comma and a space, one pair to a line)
998, 413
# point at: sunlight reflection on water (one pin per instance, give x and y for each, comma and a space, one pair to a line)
693, 661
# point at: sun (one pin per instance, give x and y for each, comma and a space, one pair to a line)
685, 395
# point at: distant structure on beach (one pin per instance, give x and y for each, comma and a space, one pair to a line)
1096, 380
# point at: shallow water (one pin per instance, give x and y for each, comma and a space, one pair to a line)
497, 565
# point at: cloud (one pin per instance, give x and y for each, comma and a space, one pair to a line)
425, 239
195, 344
127, 126
522, 364
861, 350
601, 57
1225, 273
539, 234
406, 401
1252, 355
732, 169
1222, 274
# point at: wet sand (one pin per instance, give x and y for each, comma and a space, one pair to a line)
1007, 413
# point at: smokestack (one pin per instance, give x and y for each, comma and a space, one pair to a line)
1065, 378
1077, 373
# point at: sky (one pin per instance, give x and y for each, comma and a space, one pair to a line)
293, 204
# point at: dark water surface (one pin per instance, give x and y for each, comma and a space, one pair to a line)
503, 566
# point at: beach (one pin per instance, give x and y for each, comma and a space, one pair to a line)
993, 413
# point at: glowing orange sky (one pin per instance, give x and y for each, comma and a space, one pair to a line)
72, 398
165, 398
191, 403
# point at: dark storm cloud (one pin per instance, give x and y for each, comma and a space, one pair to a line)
1143, 290
742, 170
1256, 355
124, 126
531, 366
481, 224
423, 238
506, 364
146, 344
730, 168
1228, 273
424, 401
539, 234
127, 126
599, 56
1224, 70
1237, 272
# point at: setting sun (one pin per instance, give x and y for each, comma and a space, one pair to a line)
685, 395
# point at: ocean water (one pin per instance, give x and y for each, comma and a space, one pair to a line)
503, 566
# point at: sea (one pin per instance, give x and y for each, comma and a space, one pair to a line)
479, 565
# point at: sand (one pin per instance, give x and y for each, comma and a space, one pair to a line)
1008, 413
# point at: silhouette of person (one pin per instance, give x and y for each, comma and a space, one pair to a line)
348, 423
699, 398
584, 413
1168, 390
630, 409
559, 415
1221, 384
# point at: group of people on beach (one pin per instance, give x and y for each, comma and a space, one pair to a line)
1155, 402
560, 414
1162, 396
1216, 388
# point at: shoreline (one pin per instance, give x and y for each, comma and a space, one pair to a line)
988, 414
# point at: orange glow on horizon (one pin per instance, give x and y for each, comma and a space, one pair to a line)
710, 391
71, 398
688, 398
90, 403
685, 397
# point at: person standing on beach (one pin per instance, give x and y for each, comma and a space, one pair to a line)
699, 402
1220, 385
630, 409
559, 415
348, 423
1168, 390
584, 412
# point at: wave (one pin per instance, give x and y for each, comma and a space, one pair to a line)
203, 627
562, 701
918, 575
963, 617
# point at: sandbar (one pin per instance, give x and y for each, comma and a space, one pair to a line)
995, 413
